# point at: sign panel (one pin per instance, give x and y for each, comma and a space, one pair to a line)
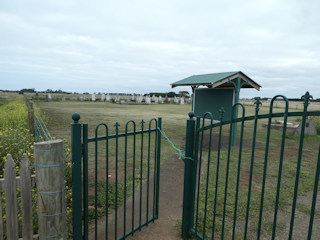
211, 100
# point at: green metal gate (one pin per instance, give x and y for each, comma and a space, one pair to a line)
242, 192
114, 175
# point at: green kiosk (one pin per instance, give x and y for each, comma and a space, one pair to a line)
216, 90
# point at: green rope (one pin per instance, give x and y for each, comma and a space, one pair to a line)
181, 154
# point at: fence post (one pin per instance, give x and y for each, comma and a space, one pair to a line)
11, 198
50, 165
31, 117
158, 166
26, 199
76, 177
189, 183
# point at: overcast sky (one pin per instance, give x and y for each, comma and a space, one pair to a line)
144, 45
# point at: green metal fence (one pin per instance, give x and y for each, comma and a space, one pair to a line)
40, 129
241, 192
128, 186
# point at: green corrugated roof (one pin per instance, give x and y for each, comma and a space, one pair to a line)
216, 79
204, 78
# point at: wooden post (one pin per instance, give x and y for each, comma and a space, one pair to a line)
49, 164
31, 117
11, 198
1, 218
26, 199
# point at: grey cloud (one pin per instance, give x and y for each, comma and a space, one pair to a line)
145, 45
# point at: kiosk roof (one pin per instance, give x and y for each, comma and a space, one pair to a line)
215, 80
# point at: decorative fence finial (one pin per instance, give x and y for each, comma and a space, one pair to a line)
117, 125
76, 117
221, 111
191, 115
307, 97
258, 103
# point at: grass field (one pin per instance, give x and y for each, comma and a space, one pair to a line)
174, 117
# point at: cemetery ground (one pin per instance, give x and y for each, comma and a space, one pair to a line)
174, 124
58, 119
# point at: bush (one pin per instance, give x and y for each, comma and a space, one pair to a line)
15, 138
14, 114
16, 142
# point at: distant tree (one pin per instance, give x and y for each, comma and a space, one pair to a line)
171, 94
27, 90
184, 93
157, 94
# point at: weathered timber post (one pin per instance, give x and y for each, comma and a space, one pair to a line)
31, 117
50, 176
11, 198
189, 183
26, 198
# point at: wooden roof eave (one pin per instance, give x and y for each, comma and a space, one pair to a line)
246, 79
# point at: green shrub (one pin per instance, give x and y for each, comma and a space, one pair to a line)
14, 114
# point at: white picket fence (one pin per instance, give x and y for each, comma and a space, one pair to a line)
8, 188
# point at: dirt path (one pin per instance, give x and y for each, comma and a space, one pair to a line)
171, 190
170, 208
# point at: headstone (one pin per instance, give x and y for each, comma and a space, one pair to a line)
176, 100
310, 128
128, 99
108, 98
153, 98
103, 97
182, 100
139, 99
81, 98
148, 100
132, 97
166, 100
156, 100
117, 98
63, 98
93, 97
160, 99
49, 97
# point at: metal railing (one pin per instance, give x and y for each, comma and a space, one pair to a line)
131, 197
217, 198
